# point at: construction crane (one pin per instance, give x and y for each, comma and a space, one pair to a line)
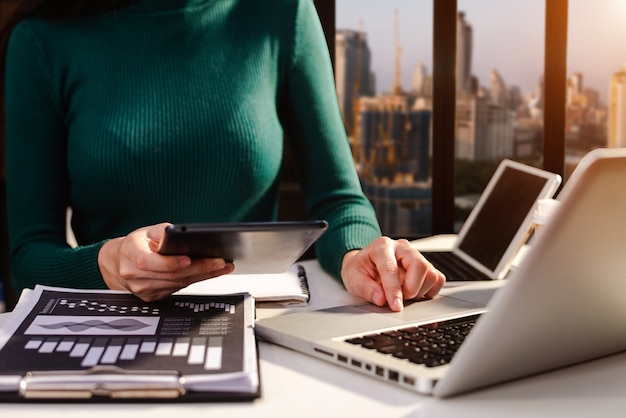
385, 140
383, 151
397, 87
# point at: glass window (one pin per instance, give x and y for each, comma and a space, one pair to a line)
596, 84
383, 67
383, 72
499, 109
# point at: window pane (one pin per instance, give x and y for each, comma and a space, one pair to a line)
384, 85
596, 89
500, 50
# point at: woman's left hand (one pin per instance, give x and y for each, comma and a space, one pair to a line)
389, 271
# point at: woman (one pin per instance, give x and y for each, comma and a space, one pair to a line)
139, 113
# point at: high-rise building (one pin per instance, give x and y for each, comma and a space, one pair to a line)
498, 90
484, 121
576, 81
574, 91
463, 54
418, 80
617, 109
535, 101
352, 72
514, 98
484, 131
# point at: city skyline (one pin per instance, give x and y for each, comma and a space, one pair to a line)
596, 39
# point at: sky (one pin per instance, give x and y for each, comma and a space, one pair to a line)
508, 37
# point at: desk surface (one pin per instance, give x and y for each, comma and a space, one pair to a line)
297, 385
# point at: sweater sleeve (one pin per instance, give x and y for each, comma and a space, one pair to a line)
323, 157
37, 182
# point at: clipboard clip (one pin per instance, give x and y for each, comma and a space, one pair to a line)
102, 381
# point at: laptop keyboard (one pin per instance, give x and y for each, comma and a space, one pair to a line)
453, 266
430, 344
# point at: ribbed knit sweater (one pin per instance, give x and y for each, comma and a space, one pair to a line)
170, 110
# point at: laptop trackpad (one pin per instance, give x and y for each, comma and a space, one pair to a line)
423, 309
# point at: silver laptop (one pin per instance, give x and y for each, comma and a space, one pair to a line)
564, 304
498, 225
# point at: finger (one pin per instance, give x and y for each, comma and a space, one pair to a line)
151, 289
413, 282
360, 277
198, 269
137, 257
388, 271
433, 284
150, 264
205, 267
410, 269
156, 232
368, 289
423, 279
228, 268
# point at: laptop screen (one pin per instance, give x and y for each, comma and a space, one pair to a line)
501, 215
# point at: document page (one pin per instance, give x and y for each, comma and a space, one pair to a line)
205, 343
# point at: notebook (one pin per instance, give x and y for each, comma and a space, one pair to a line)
498, 225
562, 305
290, 288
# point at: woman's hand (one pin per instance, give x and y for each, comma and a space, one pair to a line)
132, 263
389, 271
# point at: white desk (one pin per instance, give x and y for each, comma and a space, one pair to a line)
295, 385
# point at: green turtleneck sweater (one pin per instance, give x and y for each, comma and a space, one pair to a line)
170, 110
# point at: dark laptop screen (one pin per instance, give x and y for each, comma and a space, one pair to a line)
497, 222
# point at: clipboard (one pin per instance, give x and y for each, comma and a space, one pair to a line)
62, 345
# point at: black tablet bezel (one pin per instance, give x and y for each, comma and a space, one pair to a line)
254, 247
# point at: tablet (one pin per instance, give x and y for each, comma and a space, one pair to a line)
254, 247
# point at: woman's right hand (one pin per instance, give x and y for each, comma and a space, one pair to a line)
132, 263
